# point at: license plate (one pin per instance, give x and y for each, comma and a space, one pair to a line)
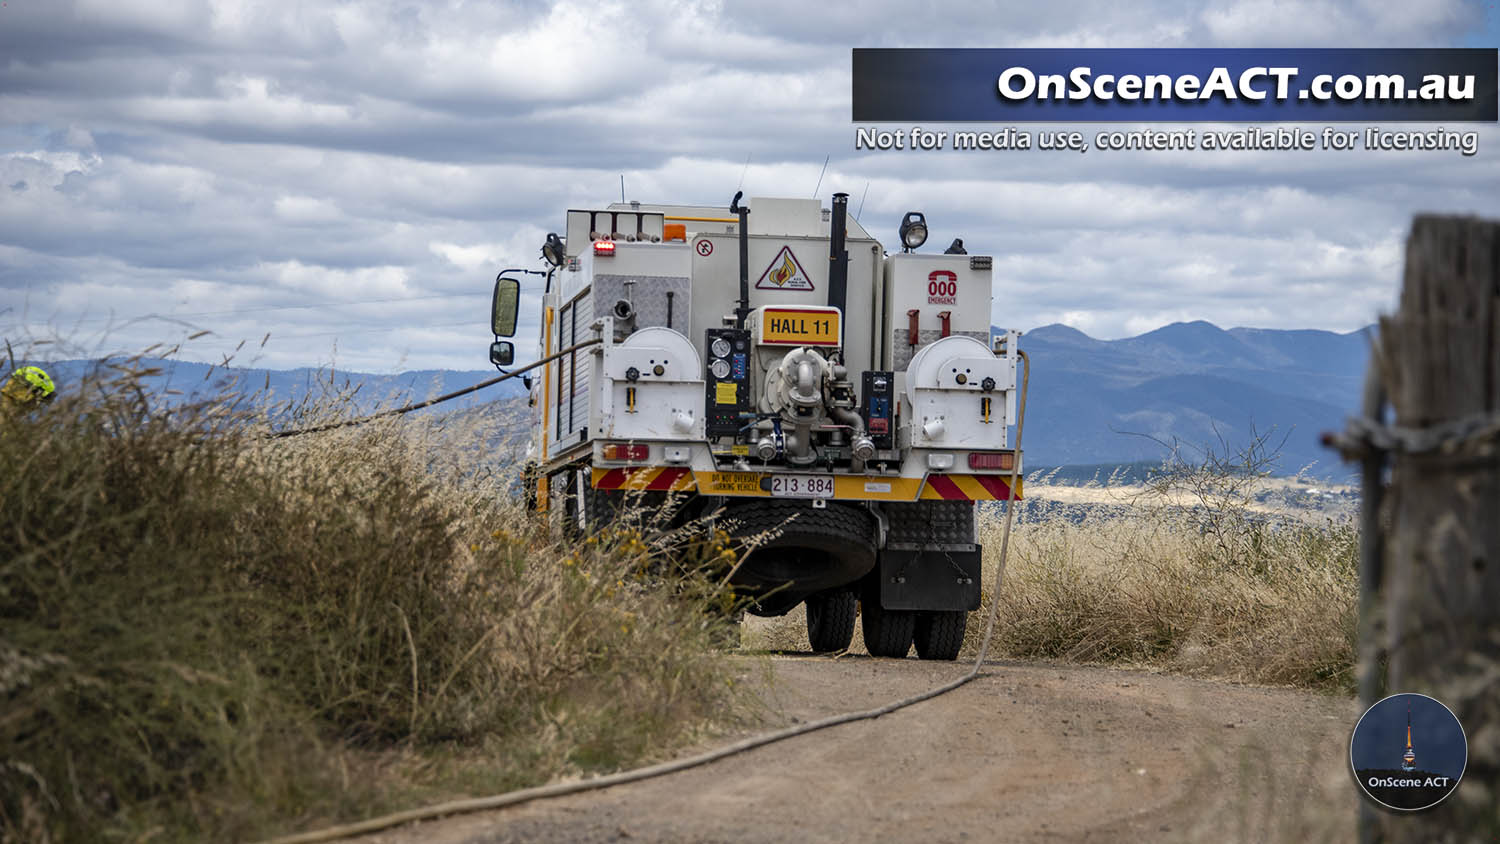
802, 486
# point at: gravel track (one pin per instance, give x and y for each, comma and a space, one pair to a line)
1027, 752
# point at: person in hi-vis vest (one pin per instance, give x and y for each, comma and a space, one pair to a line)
27, 387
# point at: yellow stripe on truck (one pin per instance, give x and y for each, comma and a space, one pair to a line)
852, 487
847, 487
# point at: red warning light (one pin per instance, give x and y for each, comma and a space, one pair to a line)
626, 451
604, 247
1000, 460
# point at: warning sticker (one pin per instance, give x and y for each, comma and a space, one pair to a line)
942, 288
726, 392
784, 273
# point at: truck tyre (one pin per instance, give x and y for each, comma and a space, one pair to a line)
830, 620
601, 506
809, 550
887, 632
529, 487
940, 635
562, 486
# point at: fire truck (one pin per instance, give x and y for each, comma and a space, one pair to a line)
774, 368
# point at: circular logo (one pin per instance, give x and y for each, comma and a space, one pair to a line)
705, 248
1408, 752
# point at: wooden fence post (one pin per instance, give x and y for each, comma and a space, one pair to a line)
1440, 354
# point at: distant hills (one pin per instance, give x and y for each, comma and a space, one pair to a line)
1091, 400
182, 381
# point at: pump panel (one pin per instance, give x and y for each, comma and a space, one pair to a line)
878, 406
727, 374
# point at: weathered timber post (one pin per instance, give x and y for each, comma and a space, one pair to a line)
1440, 356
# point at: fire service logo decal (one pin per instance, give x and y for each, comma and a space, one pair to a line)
1408, 752
784, 273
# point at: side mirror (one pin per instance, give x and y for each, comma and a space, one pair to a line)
502, 353
503, 307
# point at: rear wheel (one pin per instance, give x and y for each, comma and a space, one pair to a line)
940, 635
601, 506
798, 550
887, 632
830, 620
646, 511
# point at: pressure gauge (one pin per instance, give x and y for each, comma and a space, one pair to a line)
720, 367
720, 348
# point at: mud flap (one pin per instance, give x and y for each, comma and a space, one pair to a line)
918, 579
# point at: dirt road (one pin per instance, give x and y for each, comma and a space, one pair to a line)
1027, 753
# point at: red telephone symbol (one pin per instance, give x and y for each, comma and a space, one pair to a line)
942, 283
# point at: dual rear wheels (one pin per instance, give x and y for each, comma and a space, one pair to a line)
887, 633
937, 634
940, 635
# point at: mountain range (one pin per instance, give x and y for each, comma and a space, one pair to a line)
1192, 383
1091, 401
176, 381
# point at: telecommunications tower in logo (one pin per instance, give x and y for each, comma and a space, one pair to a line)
1389, 771
1408, 759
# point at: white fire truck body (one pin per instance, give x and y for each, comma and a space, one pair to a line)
776, 352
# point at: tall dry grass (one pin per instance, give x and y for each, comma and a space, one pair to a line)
1249, 596
1162, 583
209, 635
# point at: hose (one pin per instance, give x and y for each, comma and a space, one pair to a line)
525, 795
430, 402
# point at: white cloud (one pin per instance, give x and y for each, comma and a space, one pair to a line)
269, 166
1324, 22
469, 258
307, 209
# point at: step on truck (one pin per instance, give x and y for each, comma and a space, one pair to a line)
770, 362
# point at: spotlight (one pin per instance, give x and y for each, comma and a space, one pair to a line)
913, 230
554, 250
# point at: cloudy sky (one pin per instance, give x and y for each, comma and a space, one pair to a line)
349, 176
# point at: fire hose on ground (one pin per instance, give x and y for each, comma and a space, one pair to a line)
526, 795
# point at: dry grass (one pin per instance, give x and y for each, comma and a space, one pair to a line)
1118, 576
208, 635
1150, 587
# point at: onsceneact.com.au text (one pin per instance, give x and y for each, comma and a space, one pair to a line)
1253, 83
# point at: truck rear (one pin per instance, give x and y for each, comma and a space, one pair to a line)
771, 363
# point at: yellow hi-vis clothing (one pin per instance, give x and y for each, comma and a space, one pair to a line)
28, 385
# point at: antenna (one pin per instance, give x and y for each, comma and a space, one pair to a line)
622, 187
862, 202
820, 174
743, 172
